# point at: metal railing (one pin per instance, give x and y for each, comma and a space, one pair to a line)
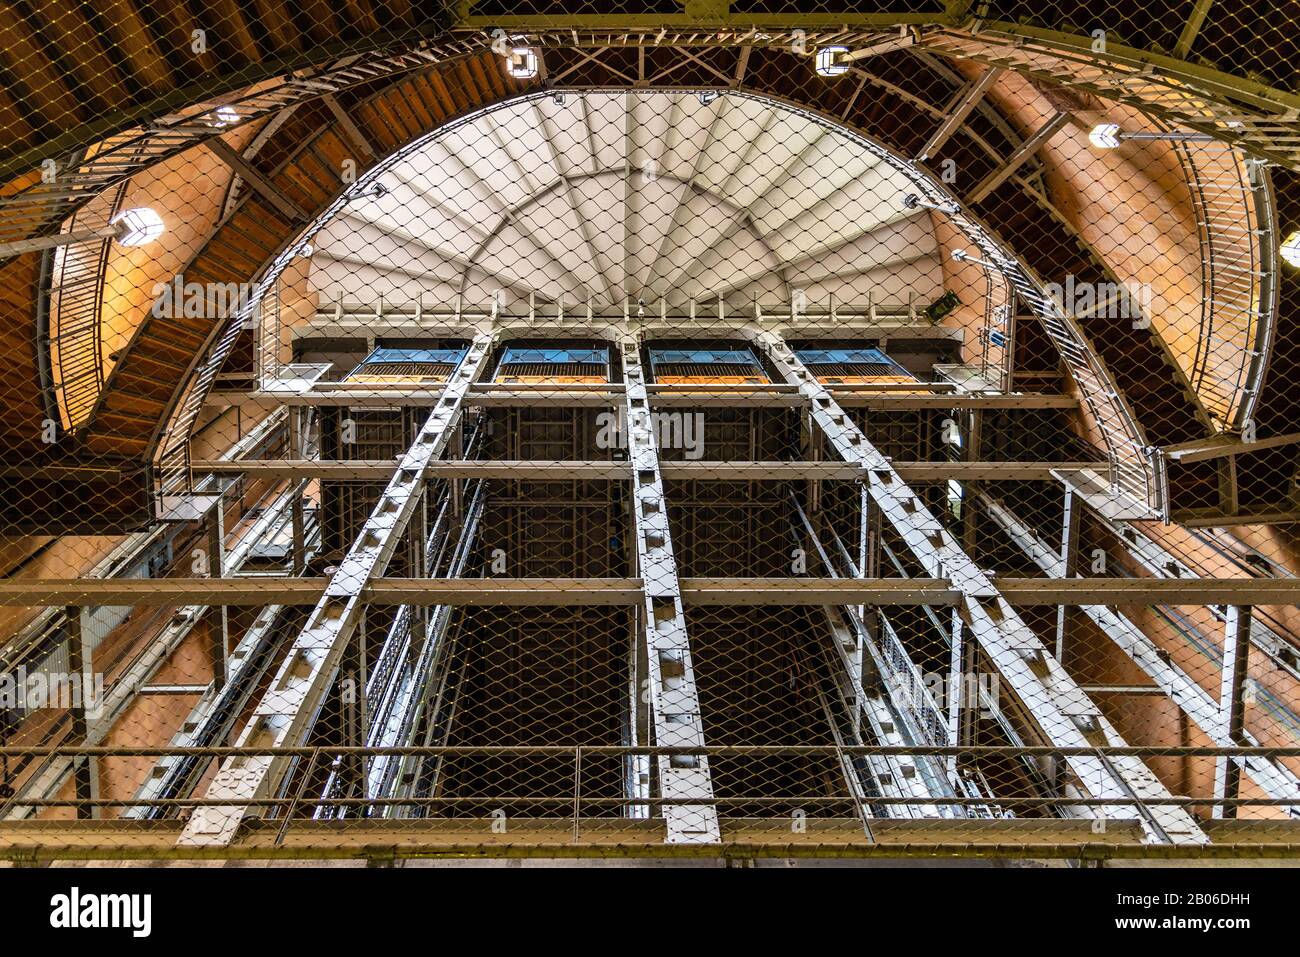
1233, 204
121, 155
76, 299
583, 808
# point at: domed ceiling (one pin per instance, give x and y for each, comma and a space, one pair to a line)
601, 197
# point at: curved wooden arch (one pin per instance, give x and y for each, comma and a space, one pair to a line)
151, 376
146, 383
412, 106
76, 84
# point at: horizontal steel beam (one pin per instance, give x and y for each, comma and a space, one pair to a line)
253, 591
412, 322
477, 591
1222, 446
1152, 691
1218, 518
1150, 591
850, 399
538, 469
758, 396
378, 469
174, 689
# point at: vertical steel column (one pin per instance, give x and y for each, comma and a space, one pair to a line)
291, 703
297, 444
639, 690
220, 642
85, 769
674, 702
864, 534
958, 706
1232, 704
1063, 713
971, 453
1069, 561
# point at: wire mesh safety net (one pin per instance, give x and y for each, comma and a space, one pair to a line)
666, 436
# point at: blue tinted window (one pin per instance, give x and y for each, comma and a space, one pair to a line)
828, 356
703, 356
445, 356
515, 355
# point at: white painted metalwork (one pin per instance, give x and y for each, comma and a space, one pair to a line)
674, 700
289, 706
1061, 710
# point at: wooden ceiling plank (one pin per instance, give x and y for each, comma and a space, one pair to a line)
131, 35
175, 27
82, 50
319, 15
232, 29
24, 55
362, 15
274, 15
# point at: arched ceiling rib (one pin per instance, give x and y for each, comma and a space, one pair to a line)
606, 196
388, 130
846, 100
76, 85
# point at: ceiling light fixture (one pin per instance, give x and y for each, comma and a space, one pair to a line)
826, 65
131, 227
225, 116
522, 63
1108, 136
137, 227
1290, 249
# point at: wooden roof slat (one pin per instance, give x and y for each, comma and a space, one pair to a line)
435, 100
313, 179
319, 16
401, 9
24, 55
131, 35
274, 15
82, 48
363, 17
175, 27
232, 30
12, 120
451, 94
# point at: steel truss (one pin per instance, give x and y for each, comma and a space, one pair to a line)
674, 700
296, 694
1061, 710
1273, 777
